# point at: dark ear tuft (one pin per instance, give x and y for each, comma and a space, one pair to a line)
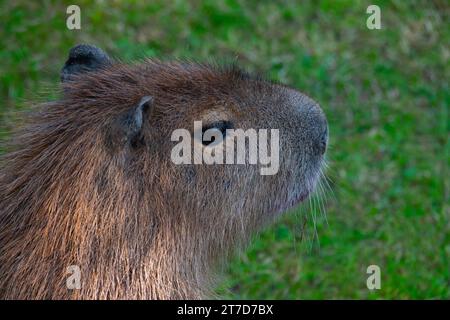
84, 58
127, 129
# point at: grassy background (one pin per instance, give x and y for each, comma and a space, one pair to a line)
385, 93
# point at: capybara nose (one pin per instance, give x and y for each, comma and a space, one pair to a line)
311, 124
323, 141
319, 130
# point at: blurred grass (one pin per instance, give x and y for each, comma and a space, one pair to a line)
385, 93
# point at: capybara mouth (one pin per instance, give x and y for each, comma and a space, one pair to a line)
292, 203
295, 199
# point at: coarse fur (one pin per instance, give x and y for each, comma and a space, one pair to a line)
75, 189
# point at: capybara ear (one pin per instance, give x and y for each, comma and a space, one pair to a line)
84, 58
127, 129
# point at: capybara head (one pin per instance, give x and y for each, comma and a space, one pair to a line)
103, 179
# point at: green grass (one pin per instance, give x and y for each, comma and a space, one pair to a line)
385, 93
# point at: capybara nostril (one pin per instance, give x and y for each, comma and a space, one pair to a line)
323, 140
318, 130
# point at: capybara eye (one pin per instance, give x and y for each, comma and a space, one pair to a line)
219, 125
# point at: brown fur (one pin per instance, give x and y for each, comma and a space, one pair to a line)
72, 192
